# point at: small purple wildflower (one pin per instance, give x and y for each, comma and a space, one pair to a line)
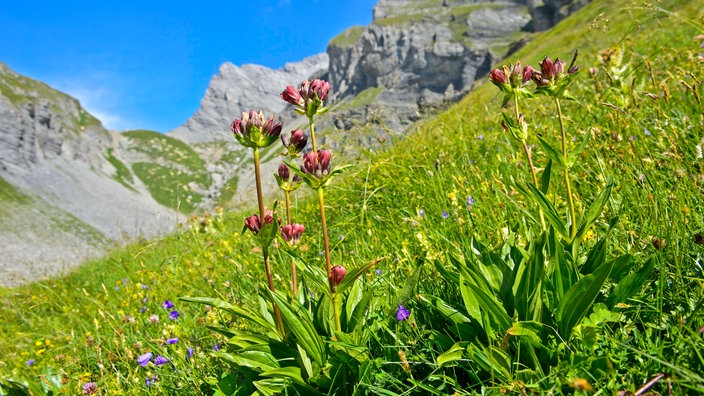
146, 287
421, 213
172, 341
144, 308
159, 360
470, 201
402, 313
151, 380
647, 132
143, 360
378, 272
30, 362
189, 353
90, 388
216, 347
480, 137
167, 304
444, 214
632, 139
173, 315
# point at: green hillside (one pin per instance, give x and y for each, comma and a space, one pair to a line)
173, 172
498, 301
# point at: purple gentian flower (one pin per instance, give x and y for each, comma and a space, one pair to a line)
470, 201
444, 214
167, 304
173, 315
159, 360
402, 313
90, 388
172, 341
143, 360
216, 347
480, 137
189, 353
30, 362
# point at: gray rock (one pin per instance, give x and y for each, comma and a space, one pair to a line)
54, 155
238, 89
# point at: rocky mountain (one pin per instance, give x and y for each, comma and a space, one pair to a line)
63, 199
414, 56
237, 89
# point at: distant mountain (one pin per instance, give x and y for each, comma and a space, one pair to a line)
67, 192
415, 55
238, 89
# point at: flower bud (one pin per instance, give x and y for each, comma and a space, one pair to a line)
337, 275
254, 224
295, 142
252, 126
527, 74
316, 163
497, 77
292, 233
559, 67
284, 172
547, 69
293, 96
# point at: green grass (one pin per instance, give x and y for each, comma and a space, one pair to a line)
8, 193
391, 205
348, 37
122, 172
172, 171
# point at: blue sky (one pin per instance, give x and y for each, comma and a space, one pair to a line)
146, 64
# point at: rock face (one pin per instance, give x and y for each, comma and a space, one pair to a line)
236, 89
420, 54
62, 203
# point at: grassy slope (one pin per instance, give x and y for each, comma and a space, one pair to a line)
170, 169
89, 322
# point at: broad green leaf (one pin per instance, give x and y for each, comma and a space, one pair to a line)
545, 178
595, 210
579, 299
356, 319
549, 211
491, 306
553, 154
456, 352
596, 256
453, 277
526, 329
528, 282
233, 309
292, 374
493, 360
353, 298
302, 327
631, 283
452, 313
574, 155
258, 362
355, 273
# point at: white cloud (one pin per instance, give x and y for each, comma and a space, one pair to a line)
98, 98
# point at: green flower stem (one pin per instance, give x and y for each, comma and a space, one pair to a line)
336, 310
526, 149
312, 133
570, 202
265, 249
328, 265
294, 281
